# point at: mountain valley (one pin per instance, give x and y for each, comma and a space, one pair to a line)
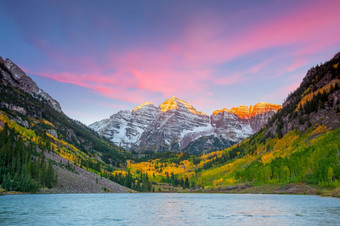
173, 147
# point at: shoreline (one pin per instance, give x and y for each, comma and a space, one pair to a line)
288, 189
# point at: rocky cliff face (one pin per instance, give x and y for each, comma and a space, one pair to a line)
175, 125
18, 78
125, 128
315, 102
174, 120
256, 116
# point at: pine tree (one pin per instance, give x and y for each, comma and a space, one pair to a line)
186, 183
49, 177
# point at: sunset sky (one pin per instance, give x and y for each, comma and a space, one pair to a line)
99, 57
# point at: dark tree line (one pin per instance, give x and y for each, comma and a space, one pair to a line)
22, 168
175, 181
318, 101
139, 182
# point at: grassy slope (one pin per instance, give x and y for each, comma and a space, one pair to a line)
297, 157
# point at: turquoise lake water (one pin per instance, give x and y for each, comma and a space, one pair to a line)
168, 209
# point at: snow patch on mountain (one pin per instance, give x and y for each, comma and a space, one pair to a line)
175, 124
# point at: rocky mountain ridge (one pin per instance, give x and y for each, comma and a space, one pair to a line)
175, 124
18, 78
315, 102
23, 102
35, 119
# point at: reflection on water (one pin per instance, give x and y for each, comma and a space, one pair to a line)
168, 209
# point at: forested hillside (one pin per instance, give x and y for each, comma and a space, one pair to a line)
37, 123
23, 167
37, 115
300, 144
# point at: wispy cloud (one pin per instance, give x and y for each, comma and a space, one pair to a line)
189, 61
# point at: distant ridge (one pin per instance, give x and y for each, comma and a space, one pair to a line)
246, 112
177, 126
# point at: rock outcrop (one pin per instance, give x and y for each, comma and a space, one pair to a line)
18, 78
175, 125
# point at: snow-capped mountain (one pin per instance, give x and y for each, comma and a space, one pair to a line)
18, 78
176, 125
126, 127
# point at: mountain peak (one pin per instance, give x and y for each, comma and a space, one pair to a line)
18, 78
246, 112
264, 107
169, 104
265, 104
142, 105
17, 72
174, 103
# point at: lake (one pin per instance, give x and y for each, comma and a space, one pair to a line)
168, 209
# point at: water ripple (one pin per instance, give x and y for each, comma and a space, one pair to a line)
168, 209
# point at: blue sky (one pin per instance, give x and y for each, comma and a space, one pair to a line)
99, 57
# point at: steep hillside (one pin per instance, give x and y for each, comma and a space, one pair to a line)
299, 144
25, 103
28, 167
177, 126
316, 101
38, 120
18, 78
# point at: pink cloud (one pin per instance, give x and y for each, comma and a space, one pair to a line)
258, 67
298, 62
303, 26
186, 65
102, 85
283, 92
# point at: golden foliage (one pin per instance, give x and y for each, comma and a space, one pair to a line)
159, 170
119, 172
309, 96
47, 122
320, 129
267, 157
207, 177
218, 182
